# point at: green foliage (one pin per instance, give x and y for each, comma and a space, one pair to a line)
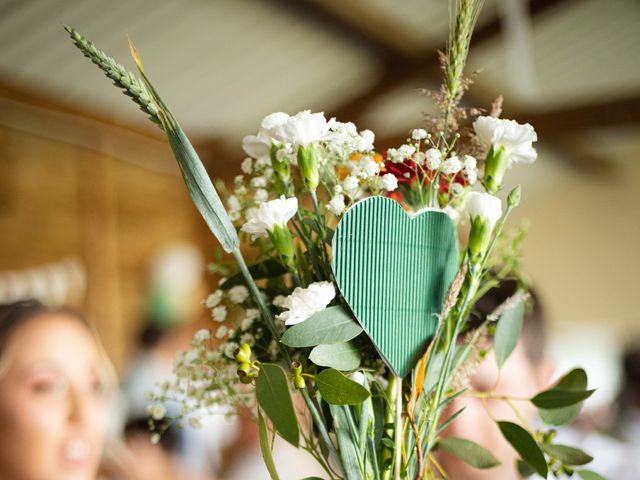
348, 447
567, 455
268, 268
272, 392
265, 448
341, 356
590, 475
556, 398
508, 331
336, 389
331, 325
526, 446
469, 452
131, 85
575, 380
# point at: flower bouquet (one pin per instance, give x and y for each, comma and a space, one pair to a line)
349, 335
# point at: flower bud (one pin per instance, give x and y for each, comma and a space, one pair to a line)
513, 200
484, 211
282, 171
495, 167
308, 164
283, 243
243, 354
298, 380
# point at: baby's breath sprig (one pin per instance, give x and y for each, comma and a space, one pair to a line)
127, 81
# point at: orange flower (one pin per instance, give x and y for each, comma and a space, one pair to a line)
342, 172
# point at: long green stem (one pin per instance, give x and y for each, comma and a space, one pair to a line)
319, 422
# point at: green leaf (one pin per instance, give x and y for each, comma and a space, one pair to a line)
508, 331
590, 475
555, 398
312, 478
331, 325
525, 445
341, 356
265, 448
266, 269
575, 380
567, 455
347, 447
336, 389
469, 452
272, 392
524, 469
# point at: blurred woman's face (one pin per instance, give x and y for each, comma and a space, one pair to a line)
52, 401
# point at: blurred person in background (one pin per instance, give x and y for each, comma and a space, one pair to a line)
525, 373
55, 383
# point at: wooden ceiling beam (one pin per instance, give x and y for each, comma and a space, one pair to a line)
426, 68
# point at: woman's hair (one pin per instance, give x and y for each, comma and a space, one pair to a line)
13, 315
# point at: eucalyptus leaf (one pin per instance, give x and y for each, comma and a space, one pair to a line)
272, 392
265, 448
508, 331
575, 380
555, 398
336, 389
526, 446
266, 269
469, 452
567, 454
331, 325
341, 356
590, 475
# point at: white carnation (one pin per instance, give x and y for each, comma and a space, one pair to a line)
304, 302
485, 206
302, 129
269, 214
516, 139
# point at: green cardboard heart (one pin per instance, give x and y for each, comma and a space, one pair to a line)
394, 270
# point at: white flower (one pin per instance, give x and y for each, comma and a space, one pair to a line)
405, 151
304, 302
358, 377
269, 214
157, 411
451, 165
219, 313
222, 331
213, 299
389, 182
247, 338
434, 158
238, 294
419, 158
394, 155
516, 139
259, 146
221, 280
485, 206
367, 167
258, 182
230, 350
336, 205
470, 163
279, 300
250, 316
419, 134
261, 195
202, 335
364, 142
247, 165
302, 129
350, 184
256, 146
234, 203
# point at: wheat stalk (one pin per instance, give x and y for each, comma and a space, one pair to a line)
127, 81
